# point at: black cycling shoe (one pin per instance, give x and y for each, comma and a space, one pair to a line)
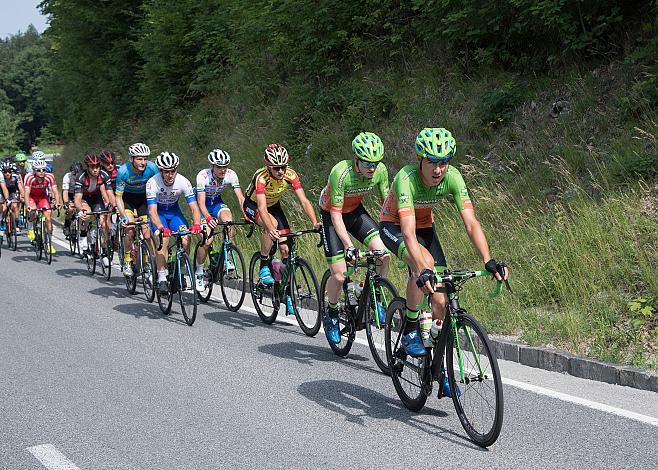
163, 287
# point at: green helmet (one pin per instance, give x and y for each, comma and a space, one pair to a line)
368, 146
20, 157
436, 144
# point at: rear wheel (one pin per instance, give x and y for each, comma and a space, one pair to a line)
165, 299
232, 281
409, 374
478, 396
14, 232
265, 298
385, 292
186, 290
147, 271
92, 252
306, 297
48, 245
109, 253
345, 320
38, 241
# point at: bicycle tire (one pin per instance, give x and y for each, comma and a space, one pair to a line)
147, 271
306, 303
165, 300
232, 284
267, 313
38, 241
476, 384
14, 234
208, 275
48, 247
410, 388
187, 290
385, 292
346, 324
91, 253
109, 253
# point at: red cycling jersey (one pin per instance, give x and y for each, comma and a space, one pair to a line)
39, 186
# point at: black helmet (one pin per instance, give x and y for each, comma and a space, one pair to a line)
76, 167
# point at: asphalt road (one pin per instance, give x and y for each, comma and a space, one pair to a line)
91, 378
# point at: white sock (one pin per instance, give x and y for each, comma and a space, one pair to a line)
199, 270
162, 276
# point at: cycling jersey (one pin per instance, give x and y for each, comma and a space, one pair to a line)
90, 186
410, 197
128, 180
263, 183
166, 197
12, 185
346, 188
39, 186
112, 178
68, 182
212, 187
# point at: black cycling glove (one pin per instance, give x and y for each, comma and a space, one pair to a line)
426, 275
494, 267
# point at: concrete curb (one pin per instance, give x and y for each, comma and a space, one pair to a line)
563, 362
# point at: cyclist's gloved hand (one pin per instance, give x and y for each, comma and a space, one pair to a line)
427, 275
350, 255
195, 229
497, 268
165, 232
125, 219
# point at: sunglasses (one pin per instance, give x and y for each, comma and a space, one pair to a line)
279, 168
368, 165
39, 171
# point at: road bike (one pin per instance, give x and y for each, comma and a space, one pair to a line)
470, 363
180, 279
11, 226
98, 246
362, 310
225, 266
43, 240
142, 261
74, 235
297, 288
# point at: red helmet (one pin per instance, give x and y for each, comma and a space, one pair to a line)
276, 155
92, 159
106, 157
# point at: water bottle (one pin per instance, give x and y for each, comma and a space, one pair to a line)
435, 330
92, 236
352, 297
358, 289
425, 324
277, 269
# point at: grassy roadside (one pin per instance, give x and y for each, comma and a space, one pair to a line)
568, 198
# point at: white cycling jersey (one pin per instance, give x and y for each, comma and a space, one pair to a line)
207, 183
166, 197
68, 182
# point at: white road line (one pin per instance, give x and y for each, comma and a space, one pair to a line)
51, 458
525, 386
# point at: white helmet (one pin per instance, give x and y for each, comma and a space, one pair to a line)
139, 150
39, 165
276, 155
219, 157
167, 161
38, 155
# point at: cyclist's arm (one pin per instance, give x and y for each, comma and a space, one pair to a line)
5, 191
382, 184
196, 213
65, 197
27, 193
77, 199
55, 190
153, 215
475, 233
104, 195
339, 227
306, 205
111, 197
120, 205
201, 199
261, 201
21, 188
239, 195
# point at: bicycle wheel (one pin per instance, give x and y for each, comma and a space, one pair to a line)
232, 281
38, 241
305, 297
479, 400
265, 298
109, 254
345, 320
385, 292
48, 245
14, 233
186, 290
409, 374
92, 252
165, 300
208, 277
147, 271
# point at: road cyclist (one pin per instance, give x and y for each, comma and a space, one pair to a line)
37, 185
68, 194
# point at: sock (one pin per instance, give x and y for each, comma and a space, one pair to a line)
126, 256
412, 320
83, 233
162, 276
199, 270
333, 309
67, 223
263, 261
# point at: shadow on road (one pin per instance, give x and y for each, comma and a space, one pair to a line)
242, 321
151, 311
355, 403
71, 272
307, 354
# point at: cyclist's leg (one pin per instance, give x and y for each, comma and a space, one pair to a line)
282, 225
161, 255
439, 299
363, 228
335, 256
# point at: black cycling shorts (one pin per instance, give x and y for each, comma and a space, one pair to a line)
95, 202
135, 204
251, 214
394, 241
357, 222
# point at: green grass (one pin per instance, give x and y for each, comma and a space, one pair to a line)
570, 202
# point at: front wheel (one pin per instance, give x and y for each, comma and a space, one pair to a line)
38, 242
306, 297
208, 274
48, 246
232, 278
265, 298
384, 293
407, 372
475, 383
345, 321
186, 289
147, 271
